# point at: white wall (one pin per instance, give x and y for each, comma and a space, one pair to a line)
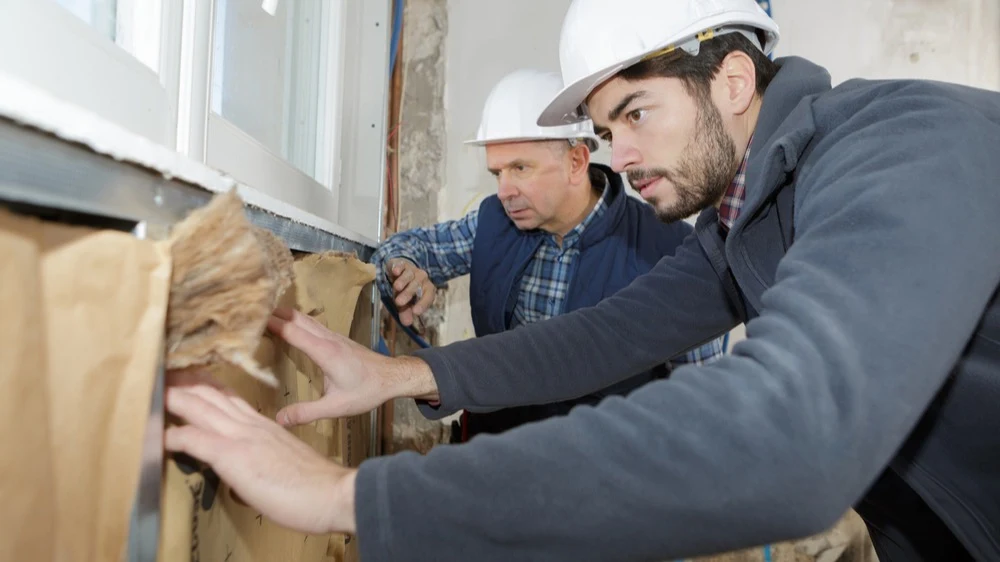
486, 41
953, 40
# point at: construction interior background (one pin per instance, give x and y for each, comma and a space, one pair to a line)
339, 122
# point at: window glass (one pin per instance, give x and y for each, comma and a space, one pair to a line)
267, 74
99, 14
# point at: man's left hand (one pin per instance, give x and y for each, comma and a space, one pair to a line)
272, 470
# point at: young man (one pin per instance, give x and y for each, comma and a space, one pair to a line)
853, 228
559, 235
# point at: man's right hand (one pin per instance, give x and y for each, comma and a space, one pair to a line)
355, 379
413, 289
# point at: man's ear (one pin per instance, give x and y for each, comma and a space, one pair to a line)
738, 77
579, 157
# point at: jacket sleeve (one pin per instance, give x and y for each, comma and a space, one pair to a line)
443, 250
897, 254
637, 328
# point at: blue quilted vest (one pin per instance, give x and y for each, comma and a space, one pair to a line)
622, 244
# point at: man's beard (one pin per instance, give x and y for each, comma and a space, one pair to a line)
706, 169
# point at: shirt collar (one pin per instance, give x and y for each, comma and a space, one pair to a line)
598, 181
732, 201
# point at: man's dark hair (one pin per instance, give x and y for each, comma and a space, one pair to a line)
698, 71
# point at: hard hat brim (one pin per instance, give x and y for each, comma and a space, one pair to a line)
591, 140
563, 109
498, 140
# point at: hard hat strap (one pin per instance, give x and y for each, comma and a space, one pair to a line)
692, 45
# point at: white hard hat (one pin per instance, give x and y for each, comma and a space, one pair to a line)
512, 109
602, 37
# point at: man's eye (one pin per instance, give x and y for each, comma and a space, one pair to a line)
606, 137
635, 116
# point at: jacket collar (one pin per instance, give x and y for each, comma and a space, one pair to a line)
614, 201
784, 129
600, 227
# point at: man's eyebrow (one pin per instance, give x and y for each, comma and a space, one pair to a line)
511, 164
618, 109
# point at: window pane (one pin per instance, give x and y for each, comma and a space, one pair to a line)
267, 74
101, 14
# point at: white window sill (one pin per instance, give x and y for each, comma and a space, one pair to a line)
33, 107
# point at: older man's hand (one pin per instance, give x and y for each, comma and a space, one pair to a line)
413, 288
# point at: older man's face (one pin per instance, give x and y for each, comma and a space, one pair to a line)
533, 181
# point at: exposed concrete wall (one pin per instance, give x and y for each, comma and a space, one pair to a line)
423, 137
422, 163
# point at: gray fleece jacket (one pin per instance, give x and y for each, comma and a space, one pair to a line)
865, 262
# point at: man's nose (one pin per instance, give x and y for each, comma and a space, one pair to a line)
506, 189
623, 155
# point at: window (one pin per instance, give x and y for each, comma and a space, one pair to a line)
266, 74
273, 103
133, 24
252, 88
103, 55
99, 14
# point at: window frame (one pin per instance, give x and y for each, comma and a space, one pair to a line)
37, 35
231, 150
159, 89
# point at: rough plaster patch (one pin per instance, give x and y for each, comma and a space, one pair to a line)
422, 132
427, 23
421, 177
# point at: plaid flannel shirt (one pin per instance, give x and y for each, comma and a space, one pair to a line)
444, 251
732, 201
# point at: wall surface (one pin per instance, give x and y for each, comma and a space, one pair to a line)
952, 40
